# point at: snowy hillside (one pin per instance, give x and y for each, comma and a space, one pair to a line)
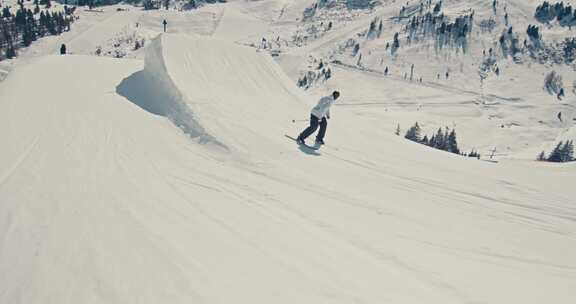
165, 175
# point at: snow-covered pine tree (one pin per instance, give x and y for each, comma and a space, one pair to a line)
452, 145
413, 133
556, 154
396, 43
439, 140
568, 151
432, 140
425, 140
438, 7
541, 156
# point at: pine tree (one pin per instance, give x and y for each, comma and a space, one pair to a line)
413, 133
425, 140
567, 151
541, 156
10, 51
556, 155
432, 140
438, 7
27, 36
372, 28
439, 142
6, 12
396, 43
452, 145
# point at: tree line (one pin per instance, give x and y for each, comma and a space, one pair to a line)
563, 152
442, 140
547, 12
25, 26
436, 25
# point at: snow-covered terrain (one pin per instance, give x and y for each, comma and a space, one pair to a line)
165, 175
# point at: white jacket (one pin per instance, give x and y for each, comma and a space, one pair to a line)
322, 109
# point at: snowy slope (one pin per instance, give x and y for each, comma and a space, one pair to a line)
104, 201
169, 179
511, 113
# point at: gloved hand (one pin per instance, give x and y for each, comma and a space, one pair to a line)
328, 116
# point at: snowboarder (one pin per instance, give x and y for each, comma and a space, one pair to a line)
318, 117
164, 23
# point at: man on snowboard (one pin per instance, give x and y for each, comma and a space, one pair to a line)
319, 115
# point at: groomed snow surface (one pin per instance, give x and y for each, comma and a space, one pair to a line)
169, 180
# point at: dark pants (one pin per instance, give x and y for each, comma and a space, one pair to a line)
314, 122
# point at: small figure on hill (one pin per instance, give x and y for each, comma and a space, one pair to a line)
319, 117
63, 49
164, 23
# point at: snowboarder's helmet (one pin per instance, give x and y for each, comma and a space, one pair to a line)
335, 94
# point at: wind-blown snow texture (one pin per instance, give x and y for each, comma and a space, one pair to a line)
169, 179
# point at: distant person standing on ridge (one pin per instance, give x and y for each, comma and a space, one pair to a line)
318, 117
63, 49
164, 23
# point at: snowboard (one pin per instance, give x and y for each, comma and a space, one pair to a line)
315, 147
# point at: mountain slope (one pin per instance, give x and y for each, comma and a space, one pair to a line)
107, 198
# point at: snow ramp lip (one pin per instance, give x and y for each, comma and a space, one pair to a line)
153, 89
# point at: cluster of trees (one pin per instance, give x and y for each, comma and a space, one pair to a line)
26, 26
455, 34
375, 29
443, 139
94, 3
569, 50
359, 4
533, 32
563, 152
445, 33
424, 25
311, 10
547, 12
322, 73
154, 4
562, 52
510, 43
407, 11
